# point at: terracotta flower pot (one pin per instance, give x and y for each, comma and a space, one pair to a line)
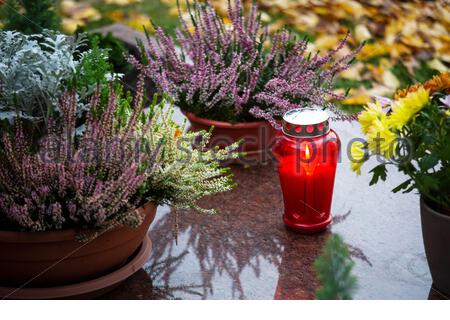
436, 238
56, 258
87, 289
257, 137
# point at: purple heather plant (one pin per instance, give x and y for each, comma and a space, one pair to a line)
225, 72
91, 181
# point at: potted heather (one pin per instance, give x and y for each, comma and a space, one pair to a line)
76, 205
233, 75
412, 133
68, 218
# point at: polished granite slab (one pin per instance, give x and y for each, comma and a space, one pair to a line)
245, 251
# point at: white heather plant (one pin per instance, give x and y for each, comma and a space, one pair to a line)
187, 170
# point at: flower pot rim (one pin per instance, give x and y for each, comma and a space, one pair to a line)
49, 236
430, 209
224, 124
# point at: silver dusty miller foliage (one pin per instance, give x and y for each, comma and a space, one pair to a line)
35, 71
32, 69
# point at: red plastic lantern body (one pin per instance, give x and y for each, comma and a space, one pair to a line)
307, 153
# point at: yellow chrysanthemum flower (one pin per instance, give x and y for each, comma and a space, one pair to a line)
381, 139
405, 109
372, 112
358, 154
447, 113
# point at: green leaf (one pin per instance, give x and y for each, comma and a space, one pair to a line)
378, 172
402, 186
429, 182
428, 162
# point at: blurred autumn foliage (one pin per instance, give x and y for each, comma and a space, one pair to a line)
406, 41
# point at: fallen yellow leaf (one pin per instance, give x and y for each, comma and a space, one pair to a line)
139, 21
436, 64
389, 80
362, 33
326, 42
70, 25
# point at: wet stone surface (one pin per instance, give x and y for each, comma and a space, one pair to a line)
245, 251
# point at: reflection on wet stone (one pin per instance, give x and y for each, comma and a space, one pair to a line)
232, 244
246, 252
139, 286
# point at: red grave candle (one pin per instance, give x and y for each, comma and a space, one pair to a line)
307, 154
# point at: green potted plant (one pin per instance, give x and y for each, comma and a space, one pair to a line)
68, 212
36, 69
77, 199
412, 133
233, 75
31, 17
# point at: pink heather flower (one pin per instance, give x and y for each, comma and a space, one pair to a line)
89, 181
225, 73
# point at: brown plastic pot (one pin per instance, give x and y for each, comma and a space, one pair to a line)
436, 239
88, 289
257, 137
57, 258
